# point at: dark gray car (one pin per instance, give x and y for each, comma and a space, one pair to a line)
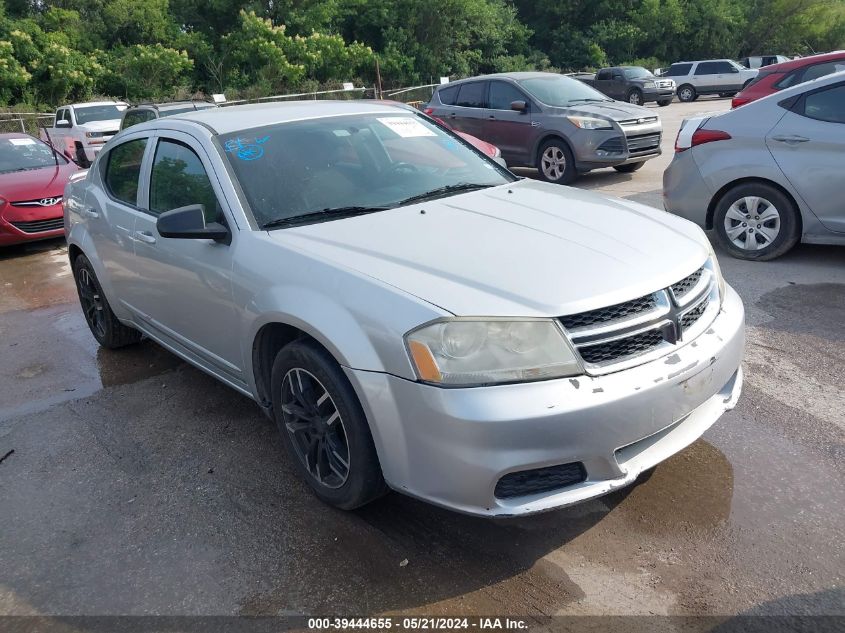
633, 84
552, 122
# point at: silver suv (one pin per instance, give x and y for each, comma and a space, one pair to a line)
411, 315
724, 77
555, 123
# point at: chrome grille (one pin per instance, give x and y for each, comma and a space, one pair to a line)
634, 122
49, 201
643, 143
617, 336
40, 226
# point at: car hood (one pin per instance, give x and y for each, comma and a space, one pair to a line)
615, 110
33, 184
525, 249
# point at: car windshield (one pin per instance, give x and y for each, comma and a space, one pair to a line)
737, 65
557, 90
22, 153
319, 169
637, 72
98, 113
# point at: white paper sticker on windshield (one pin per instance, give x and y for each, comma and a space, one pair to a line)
406, 127
22, 141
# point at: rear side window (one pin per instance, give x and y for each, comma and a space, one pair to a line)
502, 94
449, 95
471, 95
826, 105
712, 68
135, 117
179, 179
679, 70
822, 70
123, 170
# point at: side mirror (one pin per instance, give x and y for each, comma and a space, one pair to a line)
188, 223
734, 70
63, 123
519, 106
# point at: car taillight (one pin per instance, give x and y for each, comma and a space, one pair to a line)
739, 101
700, 137
429, 111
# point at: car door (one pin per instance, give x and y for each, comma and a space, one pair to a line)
808, 144
110, 211
468, 112
604, 82
706, 77
185, 290
510, 130
616, 87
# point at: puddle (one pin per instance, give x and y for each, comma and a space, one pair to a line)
35, 275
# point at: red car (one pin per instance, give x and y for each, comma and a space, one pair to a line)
32, 183
779, 76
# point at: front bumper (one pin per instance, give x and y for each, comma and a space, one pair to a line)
658, 94
451, 446
29, 221
595, 149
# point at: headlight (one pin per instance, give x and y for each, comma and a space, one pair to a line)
94, 134
590, 123
649, 84
472, 351
717, 271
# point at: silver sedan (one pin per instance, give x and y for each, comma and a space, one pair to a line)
412, 315
768, 174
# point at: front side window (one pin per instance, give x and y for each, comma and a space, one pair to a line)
98, 113
178, 179
502, 94
471, 95
310, 171
24, 153
123, 169
560, 91
826, 105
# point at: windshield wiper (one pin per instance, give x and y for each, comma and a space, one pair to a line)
443, 191
322, 216
589, 100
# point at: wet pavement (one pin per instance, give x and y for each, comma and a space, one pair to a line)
139, 485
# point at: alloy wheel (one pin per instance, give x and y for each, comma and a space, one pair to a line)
752, 223
685, 94
634, 98
315, 427
91, 301
553, 163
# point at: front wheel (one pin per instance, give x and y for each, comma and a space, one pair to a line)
324, 427
635, 96
756, 221
629, 168
556, 163
687, 93
664, 102
104, 325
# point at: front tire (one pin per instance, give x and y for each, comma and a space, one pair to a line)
756, 221
664, 102
556, 163
104, 325
635, 96
629, 168
687, 93
324, 427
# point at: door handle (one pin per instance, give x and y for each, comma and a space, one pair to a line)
790, 139
145, 236
88, 212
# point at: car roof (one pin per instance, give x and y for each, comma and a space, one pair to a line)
792, 64
242, 117
514, 75
172, 104
91, 103
699, 61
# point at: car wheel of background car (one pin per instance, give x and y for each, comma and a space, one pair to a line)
756, 221
686, 93
105, 326
664, 102
324, 427
725, 95
628, 168
635, 96
556, 163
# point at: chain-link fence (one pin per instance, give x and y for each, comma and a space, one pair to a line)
414, 95
24, 122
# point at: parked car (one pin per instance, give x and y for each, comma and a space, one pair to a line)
712, 76
775, 78
148, 111
81, 129
760, 61
633, 84
412, 315
32, 181
554, 123
768, 174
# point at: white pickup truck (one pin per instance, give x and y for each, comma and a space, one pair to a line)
81, 129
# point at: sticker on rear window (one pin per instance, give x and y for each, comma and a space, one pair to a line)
406, 127
22, 141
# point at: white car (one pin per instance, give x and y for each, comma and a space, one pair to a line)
412, 315
724, 77
81, 129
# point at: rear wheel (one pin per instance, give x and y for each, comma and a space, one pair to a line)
556, 163
629, 168
635, 96
687, 93
104, 325
756, 221
324, 427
